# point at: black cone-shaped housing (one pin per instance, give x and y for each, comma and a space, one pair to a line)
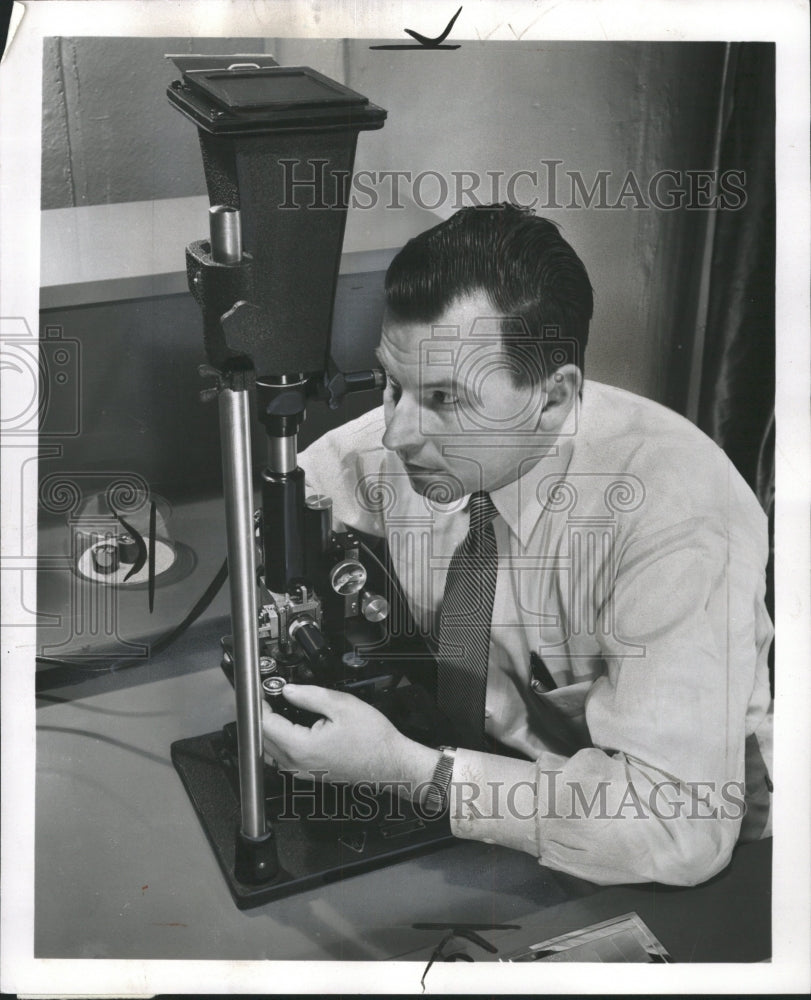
279, 143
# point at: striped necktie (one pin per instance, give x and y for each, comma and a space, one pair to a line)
465, 620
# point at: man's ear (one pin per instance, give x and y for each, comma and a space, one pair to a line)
562, 389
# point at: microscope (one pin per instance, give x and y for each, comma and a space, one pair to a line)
309, 603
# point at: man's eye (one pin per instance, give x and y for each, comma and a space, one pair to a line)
396, 390
439, 397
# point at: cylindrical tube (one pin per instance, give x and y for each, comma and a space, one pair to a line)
310, 638
106, 557
319, 517
317, 530
235, 430
127, 549
282, 527
282, 453
226, 234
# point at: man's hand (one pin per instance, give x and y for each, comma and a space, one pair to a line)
352, 742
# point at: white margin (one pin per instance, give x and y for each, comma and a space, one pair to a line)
786, 22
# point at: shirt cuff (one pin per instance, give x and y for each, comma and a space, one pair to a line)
495, 799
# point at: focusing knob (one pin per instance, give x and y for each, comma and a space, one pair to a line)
374, 607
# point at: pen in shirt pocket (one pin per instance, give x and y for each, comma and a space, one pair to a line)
540, 672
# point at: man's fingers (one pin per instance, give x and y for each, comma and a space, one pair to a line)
275, 727
312, 698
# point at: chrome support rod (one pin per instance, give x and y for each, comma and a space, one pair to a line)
235, 430
226, 234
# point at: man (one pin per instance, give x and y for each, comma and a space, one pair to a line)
589, 565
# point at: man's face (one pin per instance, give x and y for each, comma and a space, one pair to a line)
453, 411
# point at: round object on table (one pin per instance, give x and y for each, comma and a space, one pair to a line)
106, 557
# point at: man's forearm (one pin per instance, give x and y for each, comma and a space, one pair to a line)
495, 799
597, 816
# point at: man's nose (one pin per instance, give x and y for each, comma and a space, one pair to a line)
403, 430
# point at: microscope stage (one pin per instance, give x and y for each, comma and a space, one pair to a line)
323, 832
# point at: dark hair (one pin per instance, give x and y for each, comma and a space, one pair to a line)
529, 272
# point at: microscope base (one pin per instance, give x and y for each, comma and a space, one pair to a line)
323, 832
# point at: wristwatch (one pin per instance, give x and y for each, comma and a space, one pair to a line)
435, 797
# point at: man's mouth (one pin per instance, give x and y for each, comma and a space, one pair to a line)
437, 485
419, 470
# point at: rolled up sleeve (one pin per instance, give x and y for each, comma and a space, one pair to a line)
660, 795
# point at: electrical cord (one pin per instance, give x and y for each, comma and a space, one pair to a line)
387, 573
158, 646
390, 576
44, 680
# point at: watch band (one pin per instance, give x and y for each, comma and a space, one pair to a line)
435, 797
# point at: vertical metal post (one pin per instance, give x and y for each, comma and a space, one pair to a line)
235, 430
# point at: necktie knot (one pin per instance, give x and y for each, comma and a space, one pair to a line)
482, 511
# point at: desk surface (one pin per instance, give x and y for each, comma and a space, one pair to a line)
123, 869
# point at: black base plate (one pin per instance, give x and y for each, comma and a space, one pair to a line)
323, 832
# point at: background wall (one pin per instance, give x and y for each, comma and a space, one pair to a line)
110, 136
619, 108
122, 181
108, 132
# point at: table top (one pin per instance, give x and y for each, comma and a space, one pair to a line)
123, 869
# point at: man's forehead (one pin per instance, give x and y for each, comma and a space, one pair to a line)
469, 322
462, 311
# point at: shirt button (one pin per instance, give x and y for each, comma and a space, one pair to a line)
488, 714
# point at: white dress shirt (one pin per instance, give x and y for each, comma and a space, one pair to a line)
632, 562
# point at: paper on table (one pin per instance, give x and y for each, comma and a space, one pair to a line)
623, 939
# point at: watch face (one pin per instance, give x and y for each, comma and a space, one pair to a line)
447, 749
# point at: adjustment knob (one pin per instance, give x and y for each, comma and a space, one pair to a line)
374, 607
348, 577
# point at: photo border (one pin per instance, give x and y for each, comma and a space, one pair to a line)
782, 21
